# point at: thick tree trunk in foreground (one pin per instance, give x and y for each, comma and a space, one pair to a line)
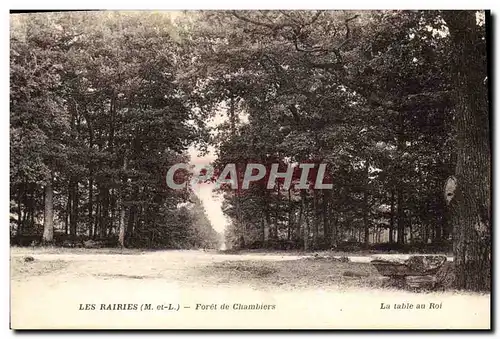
48, 219
471, 201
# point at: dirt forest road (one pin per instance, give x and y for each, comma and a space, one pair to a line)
203, 290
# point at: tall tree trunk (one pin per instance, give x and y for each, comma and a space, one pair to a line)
132, 214
108, 192
91, 206
232, 127
391, 225
267, 219
104, 222
366, 211
298, 225
445, 232
266, 224
91, 173
68, 211
97, 218
48, 216
19, 210
400, 151
437, 232
334, 230
410, 227
25, 204
425, 232
315, 228
305, 217
445, 226
401, 222
73, 219
32, 203
113, 205
290, 215
471, 204
122, 227
73, 182
324, 213
133, 210
121, 232
277, 214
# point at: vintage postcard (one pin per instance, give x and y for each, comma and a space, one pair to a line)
257, 169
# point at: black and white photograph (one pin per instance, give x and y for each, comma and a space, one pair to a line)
250, 169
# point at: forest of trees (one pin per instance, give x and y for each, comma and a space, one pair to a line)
95, 121
394, 102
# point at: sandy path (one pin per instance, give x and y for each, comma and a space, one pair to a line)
173, 256
164, 278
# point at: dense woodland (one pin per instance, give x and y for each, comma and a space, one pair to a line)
96, 120
394, 102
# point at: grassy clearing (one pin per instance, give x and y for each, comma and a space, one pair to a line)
19, 268
313, 272
303, 273
192, 267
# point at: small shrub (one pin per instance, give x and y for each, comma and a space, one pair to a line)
29, 259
